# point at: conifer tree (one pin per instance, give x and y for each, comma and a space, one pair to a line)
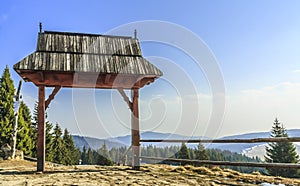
281, 152
84, 156
57, 146
34, 134
71, 154
183, 153
7, 91
90, 157
200, 153
103, 156
49, 138
24, 141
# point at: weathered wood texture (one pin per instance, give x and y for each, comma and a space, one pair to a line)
68, 42
66, 62
208, 162
135, 130
86, 80
255, 140
41, 131
72, 52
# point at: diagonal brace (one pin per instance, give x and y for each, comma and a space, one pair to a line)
126, 99
51, 96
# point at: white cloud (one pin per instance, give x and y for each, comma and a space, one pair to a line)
255, 109
296, 71
188, 114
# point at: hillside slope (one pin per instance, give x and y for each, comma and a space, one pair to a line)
96, 143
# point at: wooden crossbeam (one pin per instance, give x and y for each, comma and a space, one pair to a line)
85, 80
42, 77
75, 78
255, 140
51, 96
107, 78
125, 97
208, 162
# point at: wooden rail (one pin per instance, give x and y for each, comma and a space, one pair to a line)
228, 163
255, 140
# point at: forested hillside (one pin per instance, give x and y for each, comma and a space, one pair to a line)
60, 147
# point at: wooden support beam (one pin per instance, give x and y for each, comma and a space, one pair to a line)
51, 96
41, 131
75, 78
42, 77
107, 78
135, 130
126, 99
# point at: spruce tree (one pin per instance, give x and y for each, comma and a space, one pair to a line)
34, 134
49, 138
103, 156
200, 153
7, 91
281, 152
24, 141
90, 157
57, 146
183, 153
71, 154
84, 158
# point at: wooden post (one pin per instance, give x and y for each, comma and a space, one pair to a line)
41, 131
135, 130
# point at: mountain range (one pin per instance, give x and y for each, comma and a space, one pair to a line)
120, 141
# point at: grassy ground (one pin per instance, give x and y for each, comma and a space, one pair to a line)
20, 172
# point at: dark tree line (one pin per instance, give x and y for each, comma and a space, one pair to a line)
200, 153
60, 147
101, 156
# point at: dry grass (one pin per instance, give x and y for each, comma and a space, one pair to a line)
23, 173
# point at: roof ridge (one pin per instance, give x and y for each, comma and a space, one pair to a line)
85, 34
89, 53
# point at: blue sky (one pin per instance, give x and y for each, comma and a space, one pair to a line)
255, 42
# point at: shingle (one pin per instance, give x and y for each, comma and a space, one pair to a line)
69, 52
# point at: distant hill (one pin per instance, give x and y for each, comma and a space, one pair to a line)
240, 147
153, 135
96, 143
260, 151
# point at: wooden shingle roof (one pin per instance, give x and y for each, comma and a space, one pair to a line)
87, 60
76, 52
